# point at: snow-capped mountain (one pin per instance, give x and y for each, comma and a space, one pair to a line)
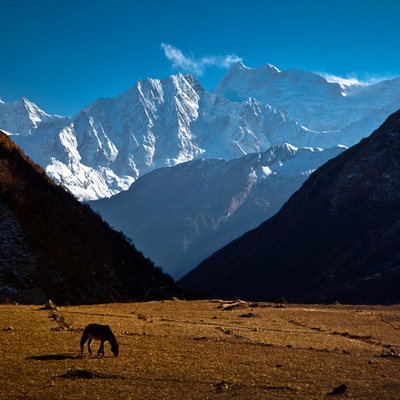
24, 118
313, 101
106, 146
178, 216
158, 123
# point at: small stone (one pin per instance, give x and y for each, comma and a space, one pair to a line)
338, 390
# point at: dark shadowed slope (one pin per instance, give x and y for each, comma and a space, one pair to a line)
337, 238
52, 246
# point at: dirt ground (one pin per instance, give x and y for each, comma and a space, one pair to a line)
202, 350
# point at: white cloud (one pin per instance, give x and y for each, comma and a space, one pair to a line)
197, 66
342, 81
352, 79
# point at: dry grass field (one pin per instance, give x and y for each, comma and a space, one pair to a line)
202, 350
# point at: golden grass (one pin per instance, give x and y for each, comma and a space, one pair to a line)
202, 350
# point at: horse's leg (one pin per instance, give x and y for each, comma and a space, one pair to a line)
89, 341
101, 348
83, 341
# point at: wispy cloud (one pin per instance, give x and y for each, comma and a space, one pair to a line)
342, 81
194, 65
352, 79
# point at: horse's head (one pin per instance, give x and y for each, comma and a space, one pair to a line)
115, 349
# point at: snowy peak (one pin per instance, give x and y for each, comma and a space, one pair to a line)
270, 76
311, 99
239, 77
21, 116
112, 141
160, 89
195, 83
239, 69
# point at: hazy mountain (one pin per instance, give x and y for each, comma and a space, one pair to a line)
335, 239
52, 246
106, 146
180, 215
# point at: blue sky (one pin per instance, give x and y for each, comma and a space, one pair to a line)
64, 54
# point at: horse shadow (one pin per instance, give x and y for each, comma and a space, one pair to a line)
50, 357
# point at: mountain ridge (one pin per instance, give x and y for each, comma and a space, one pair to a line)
53, 246
335, 239
289, 92
106, 146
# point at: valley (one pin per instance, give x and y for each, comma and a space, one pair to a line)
181, 170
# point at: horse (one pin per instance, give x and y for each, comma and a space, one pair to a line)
102, 333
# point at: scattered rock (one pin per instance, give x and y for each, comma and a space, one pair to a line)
391, 353
338, 390
49, 306
62, 323
277, 387
249, 315
222, 386
10, 328
55, 314
233, 305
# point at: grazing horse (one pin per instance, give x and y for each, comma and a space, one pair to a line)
102, 333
